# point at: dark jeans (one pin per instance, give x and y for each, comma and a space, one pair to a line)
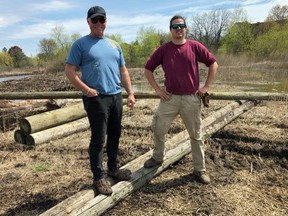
105, 114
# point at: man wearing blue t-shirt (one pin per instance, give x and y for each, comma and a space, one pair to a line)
103, 73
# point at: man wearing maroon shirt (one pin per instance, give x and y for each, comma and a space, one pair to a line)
181, 94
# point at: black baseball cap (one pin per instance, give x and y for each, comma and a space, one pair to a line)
96, 11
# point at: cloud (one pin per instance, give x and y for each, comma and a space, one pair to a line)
51, 6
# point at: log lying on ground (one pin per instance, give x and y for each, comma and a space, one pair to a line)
147, 95
42, 121
84, 202
40, 95
57, 132
268, 96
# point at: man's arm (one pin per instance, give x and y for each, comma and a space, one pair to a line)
71, 73
126, 82
162, 93
210, 78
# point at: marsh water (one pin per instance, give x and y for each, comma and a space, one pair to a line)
2, 79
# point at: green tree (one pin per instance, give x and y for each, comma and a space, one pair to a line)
48, 48
239, 38
18, 56
6, 60
116, 37
164, 37
63, 43
273, 43
149, 40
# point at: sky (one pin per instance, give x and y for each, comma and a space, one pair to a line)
24, 23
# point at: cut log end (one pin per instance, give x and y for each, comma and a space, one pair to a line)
25, 126
29, 140
20, 137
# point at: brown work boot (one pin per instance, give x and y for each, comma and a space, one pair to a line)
103, 186
120, 174
151, 162
202, 176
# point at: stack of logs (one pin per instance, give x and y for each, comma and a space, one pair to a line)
51, 125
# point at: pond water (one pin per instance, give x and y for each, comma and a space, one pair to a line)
2, 79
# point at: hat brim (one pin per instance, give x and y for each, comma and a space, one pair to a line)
97, 14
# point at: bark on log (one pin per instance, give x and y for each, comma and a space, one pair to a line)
42, 121
84, 202
148, 94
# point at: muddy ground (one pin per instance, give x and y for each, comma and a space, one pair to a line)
247, 162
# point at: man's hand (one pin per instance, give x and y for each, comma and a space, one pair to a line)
131, 101
163, 94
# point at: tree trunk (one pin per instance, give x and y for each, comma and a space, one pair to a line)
86, 203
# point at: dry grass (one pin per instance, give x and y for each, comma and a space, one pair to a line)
247, 161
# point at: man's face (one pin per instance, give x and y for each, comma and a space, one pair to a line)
97, 25
178, 29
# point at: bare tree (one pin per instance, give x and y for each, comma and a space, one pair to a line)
209, 27
278, 13
48, 48
60, 37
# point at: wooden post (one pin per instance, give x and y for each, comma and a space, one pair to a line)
57, 132
42, 121
84, 202
146, 95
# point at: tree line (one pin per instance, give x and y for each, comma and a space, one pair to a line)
222, 31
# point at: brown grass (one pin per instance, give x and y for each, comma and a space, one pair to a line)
247, 162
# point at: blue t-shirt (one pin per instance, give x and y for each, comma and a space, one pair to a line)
100, 60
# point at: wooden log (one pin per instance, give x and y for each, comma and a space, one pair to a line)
148, 94
40, 95
267, 96
42, 121
57, 132
60, 95
84, 202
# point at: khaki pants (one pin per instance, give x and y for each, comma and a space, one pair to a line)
189, 108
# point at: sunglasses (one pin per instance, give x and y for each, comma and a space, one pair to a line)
181, 25
98, 19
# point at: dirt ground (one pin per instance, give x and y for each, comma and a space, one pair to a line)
247, 162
